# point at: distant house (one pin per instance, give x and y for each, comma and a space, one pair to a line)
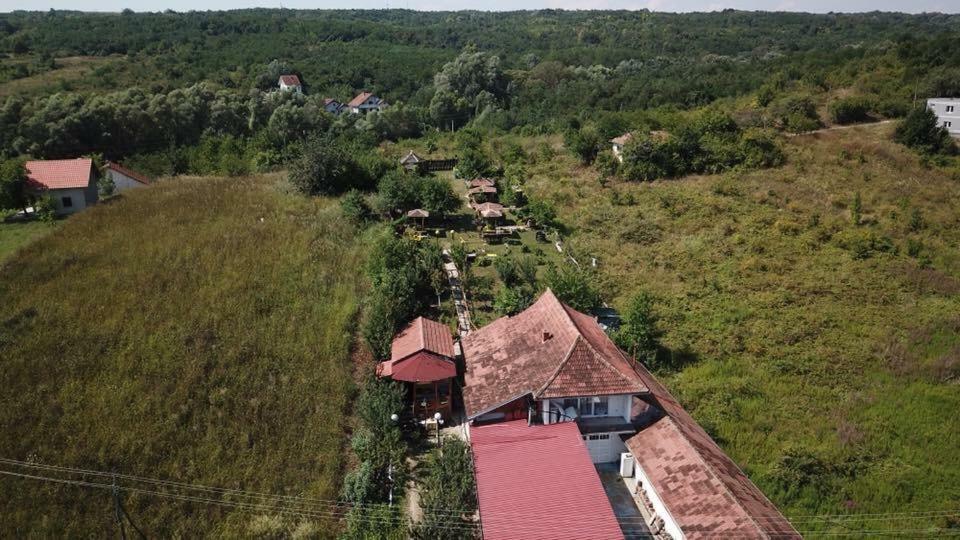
123, 178
481, 182
618, 143
366, 102
550, 365
948, 113
332, 106
290, 83
411, 161
422, 356
71, 183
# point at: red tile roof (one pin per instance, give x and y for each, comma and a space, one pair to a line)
128, 173
703, 489
59, 173
290, 80
360, 99
539, 482
548, 350
420, 367
422, 335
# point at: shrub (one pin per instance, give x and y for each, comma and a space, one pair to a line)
448, 496
13, 179
105, 186
851, 109
354, 207
919, 131
324, 168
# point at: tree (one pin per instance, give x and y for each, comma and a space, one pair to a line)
448, 496
573, 287
106, 186
436, 196
325, 169
354, 207
584, 143
638, 333
471, 80
921, 132
13, 184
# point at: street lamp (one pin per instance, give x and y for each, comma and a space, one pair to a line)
393, 418
439, 419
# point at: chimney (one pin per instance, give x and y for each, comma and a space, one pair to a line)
546, 336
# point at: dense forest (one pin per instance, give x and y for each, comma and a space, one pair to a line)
156, 85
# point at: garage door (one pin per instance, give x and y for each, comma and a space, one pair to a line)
603, 447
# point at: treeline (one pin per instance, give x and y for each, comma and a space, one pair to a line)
524, 70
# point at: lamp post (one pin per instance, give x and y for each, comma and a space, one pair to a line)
393, 418
439, 419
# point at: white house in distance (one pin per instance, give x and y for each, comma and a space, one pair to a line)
71, 183
366, 102
290, 83
123, 178
948, 113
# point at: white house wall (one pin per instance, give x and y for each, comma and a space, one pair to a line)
948, 114
669, 525
122, 181
78, 197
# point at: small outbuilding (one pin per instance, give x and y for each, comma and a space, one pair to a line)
71, 183
123, 178
422, 357
419, 217
411, 161
290, 83
481, 182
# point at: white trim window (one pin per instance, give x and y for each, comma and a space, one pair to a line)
588, 406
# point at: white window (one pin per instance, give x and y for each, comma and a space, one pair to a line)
601, 437
588, 406
949, 108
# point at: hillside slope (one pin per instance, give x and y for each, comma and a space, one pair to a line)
196, 331
824, 356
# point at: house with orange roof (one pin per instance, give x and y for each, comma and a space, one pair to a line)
70, 183
552, 364
365, 102
290, 83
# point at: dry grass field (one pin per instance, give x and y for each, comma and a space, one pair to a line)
197, 331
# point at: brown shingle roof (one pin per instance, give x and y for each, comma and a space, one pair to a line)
59, 173
418, 213
422, 335
705, 492
481, 182
481, 189
490, 209
545, 351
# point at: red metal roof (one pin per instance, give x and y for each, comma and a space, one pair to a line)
422, 335
705, 492
59, 173
128, 173
539, 482
420, 367
290, 80
548, 350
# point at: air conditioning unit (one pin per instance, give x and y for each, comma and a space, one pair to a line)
626, 464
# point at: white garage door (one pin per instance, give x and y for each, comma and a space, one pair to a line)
604, 447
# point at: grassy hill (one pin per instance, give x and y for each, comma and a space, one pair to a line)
196, 331
823, 355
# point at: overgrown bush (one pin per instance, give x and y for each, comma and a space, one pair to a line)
920, 131
850, 110
448, 496
325, 168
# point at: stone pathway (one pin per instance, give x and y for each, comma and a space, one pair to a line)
456, 291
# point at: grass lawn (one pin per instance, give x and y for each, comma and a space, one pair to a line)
198, 331
823, 355
14, 236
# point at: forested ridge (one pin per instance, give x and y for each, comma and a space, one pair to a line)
539, 71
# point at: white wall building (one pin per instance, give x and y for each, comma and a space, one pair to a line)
290, 83
948, 113
124, 179
70, 183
